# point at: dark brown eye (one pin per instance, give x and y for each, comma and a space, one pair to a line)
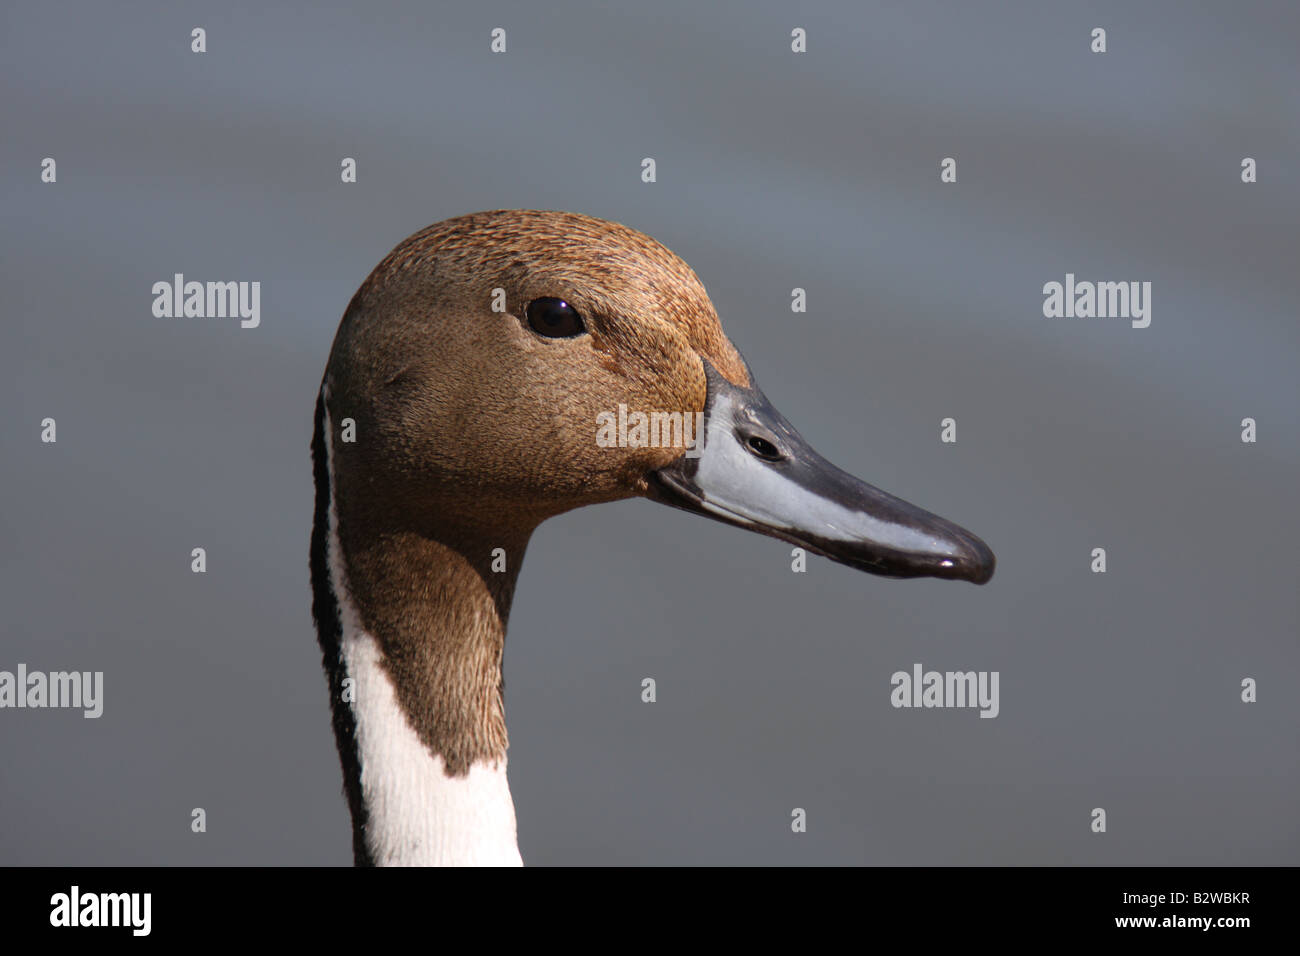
554, 318
763, 448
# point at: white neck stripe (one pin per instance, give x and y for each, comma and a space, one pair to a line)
416, 814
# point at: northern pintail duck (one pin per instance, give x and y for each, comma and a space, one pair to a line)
460, 408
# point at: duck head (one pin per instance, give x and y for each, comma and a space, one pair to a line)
495, 370
482, 358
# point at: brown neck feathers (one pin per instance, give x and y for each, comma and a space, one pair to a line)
437, 604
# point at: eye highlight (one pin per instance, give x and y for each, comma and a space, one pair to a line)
554, 318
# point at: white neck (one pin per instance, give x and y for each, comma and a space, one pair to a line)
417, 815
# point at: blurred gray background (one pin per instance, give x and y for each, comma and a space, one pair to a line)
776, 170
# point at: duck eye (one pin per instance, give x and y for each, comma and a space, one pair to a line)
554, 318
763, 448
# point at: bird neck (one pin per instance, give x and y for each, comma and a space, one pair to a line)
412, 630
